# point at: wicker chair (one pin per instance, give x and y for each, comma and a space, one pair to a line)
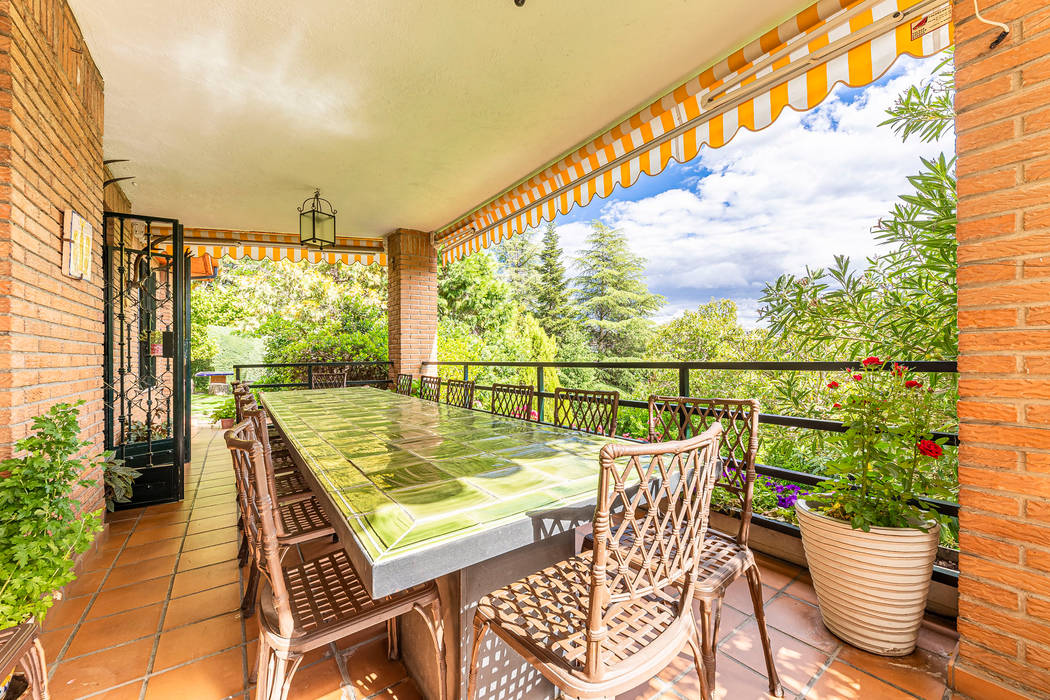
459, 393
726, 557
328, 378
317, 602
288, 480
512, 400
590, 411
430, 388
404, 384
20, 647
297, 521
606, 621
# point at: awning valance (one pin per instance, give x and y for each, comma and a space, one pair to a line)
793, 65
258, 245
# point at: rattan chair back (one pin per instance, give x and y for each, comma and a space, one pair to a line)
430, 388
328, 378
404, 384
678, 417
512, 400
459, 392
589, 411
649, 549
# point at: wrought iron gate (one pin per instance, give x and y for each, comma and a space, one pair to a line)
146, 359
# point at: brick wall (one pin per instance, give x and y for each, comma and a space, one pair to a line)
51, 145
1003, 144
411, 301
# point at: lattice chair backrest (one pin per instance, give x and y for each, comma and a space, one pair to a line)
245, 401
328, 378
263, 516
404, 384
677, 417
647, 548
430, 388
237, 438
459, 393
258, 418
513, 401
589, 411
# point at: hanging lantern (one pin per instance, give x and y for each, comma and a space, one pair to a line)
317, 222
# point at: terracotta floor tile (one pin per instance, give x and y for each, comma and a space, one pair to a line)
320, 681
731, 619
53, 642
776, 573
739, 595
142, 552
129, 691
733, 681
206, 577
171, 517
209, 555
213, 678
156, 534
940, 640
99, 559
842, 682
802, 590
796, 663
371, 671
184, 644
65, 612
215, 499
84, 584
921, 672
118, 528
99, 671
802, 621
140, 571
405, 690
211, 538
129, 514
98, 634
215, 523
129, 597
229, 508
655, 689
200, 606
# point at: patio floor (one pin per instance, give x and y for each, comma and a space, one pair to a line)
153, 615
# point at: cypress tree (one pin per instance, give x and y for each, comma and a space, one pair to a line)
553, 303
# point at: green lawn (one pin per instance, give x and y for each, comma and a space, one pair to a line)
201, 405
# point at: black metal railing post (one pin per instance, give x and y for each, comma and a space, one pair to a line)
683, 381
237, 374
466, 373
309, 376
539, 391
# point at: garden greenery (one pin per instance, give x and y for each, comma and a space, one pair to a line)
41, 525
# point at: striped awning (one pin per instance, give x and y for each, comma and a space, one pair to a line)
794, 65
258, 245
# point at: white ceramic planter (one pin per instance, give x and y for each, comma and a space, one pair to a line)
871, 586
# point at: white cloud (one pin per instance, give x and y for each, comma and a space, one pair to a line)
809, 187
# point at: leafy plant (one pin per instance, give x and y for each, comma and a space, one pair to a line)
885, 457
118, 479
227, 409
41, 525
139, 431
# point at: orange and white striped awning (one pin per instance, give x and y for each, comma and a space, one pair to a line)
258, 245
793, 65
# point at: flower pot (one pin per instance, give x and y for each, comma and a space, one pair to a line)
156, 349
871, 586
227, 423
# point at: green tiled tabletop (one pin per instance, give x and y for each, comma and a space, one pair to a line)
410, 476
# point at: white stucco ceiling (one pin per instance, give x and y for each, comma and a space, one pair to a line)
404, 112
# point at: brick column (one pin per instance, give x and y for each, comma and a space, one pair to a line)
411, 301
1003, 145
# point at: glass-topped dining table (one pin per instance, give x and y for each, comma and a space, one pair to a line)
422, 491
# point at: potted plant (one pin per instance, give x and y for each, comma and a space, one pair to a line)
118, 479
869, 543
225, 413
41, 524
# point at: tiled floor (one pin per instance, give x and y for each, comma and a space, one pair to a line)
153, 615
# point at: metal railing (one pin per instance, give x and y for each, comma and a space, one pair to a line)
942, 575
375, 373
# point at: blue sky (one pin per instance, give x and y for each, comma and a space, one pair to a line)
807, 188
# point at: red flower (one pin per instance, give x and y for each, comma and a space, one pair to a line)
836, 405
868, 361
899, 370
930, 448
858, 377
833, 385
912, 384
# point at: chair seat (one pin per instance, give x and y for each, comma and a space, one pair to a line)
303, 521
290, 483
545, 616
326, 595
723, 561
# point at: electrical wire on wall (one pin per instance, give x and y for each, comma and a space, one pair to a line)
992, 23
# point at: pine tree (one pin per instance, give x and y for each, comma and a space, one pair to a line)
553, 305
612, 294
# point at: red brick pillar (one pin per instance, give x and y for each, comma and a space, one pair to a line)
1003, 145
411, 301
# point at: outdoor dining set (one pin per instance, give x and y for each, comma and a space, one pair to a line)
461, 521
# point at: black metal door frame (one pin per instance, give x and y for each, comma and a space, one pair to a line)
135, 294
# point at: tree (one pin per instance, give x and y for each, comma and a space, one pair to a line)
553, 307
472, 293
519, 265
612, 294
